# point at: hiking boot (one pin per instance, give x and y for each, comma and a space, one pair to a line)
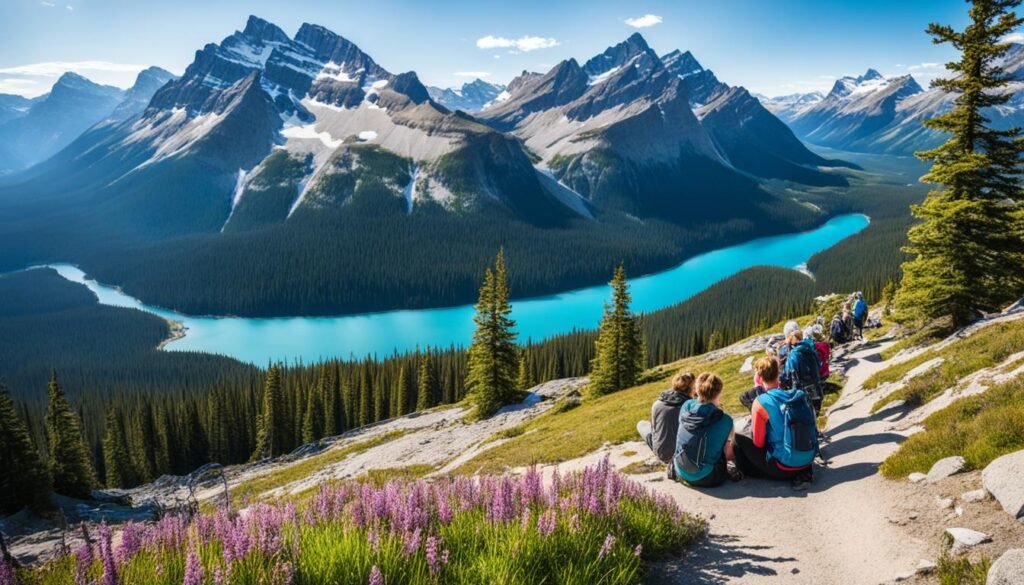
671, 473
802, 481
734, 472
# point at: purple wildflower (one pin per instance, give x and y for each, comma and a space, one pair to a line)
193, 567
6, 573
131, 542
639, 550
83, 560
375, 576
107, 556
412, 542
431, 552
546, 523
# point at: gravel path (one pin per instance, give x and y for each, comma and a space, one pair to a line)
764, 532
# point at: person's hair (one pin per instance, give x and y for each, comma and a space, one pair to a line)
683, 382
767, 369
709, 386
798, 335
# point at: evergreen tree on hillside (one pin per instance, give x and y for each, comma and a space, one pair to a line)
312, 424
405, 392
196, 443
23, 481
619, 350
120, 473
525, 379
365, 398
272, 431
426, 385
69, 459
144, 446
968, 250
493, 357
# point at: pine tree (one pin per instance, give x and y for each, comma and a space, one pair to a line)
272, 432
968, 249
405, 391
197, 444
329, 395
365, 398
23, 477
525, 379
312, 424
425, 384
144, 445
117, 464
619, 350
69, 459
493, 357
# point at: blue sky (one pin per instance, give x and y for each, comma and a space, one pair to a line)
772, 47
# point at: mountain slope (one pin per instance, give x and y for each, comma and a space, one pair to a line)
471, 97
73, 105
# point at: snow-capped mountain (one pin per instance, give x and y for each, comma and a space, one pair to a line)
311, 116
13, 106
788, 107
471, 97
138, 95
627, 117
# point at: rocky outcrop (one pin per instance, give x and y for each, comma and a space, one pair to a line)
1008, 569
944, 468
965, 538
1004, 479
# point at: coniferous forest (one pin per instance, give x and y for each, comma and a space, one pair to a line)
144, 412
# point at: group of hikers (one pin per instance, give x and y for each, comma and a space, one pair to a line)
702, 446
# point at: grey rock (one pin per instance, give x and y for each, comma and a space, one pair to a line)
926, 567
973, 496
965, 538
916, 477
944, 468
748, 365
1008, 569
1004, 479
944, 503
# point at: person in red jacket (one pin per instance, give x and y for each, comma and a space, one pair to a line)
817, 333
754, 455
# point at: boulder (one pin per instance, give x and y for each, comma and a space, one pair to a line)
1008, 569
965, 538
1004, 479
748, 365
944, 468
973, 496
926, 567
944, 503
916, 477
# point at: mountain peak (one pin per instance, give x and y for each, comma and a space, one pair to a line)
617, 55
870, 74
257, 28
638, 40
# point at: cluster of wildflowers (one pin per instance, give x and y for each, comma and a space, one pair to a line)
400, 526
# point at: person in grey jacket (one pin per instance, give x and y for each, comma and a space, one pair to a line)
660, 432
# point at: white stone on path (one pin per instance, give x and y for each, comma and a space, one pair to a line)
748, 365
973, 496
916, 477
965, 538
944, 468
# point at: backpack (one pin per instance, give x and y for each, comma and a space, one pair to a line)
837, 331
799, 432
860, 309
792, 437
693, 436
804, 368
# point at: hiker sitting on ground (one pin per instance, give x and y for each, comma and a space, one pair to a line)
817, 336
783, 438
783, 349
660, 432
802, 368
838, 332
860, 313
704, 445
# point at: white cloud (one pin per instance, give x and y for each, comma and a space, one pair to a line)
925, 67
58, 68
480, 74
47, 4
1014, 38
19, 86
69, 7
523, 44
644, 21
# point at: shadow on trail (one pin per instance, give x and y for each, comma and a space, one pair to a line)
853, 443
718, 559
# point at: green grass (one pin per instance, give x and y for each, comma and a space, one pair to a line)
642, 467
250, 490
409, 472
931, 333
980, 428
984, 349
959, 570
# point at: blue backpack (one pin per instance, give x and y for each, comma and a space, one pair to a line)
793, 429
803, 369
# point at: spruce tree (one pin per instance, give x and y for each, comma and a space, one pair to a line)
272, 431
493, 357
425, 384
968, 249
329, 395
312, 424
197, 444
23, 477
69, 459
365, 397
405, 391
525, 379
619, 350
144, 446
117, 464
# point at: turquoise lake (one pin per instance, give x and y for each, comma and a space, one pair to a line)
311, 339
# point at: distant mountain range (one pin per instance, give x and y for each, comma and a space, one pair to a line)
269, 132
874, 114
34, 130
